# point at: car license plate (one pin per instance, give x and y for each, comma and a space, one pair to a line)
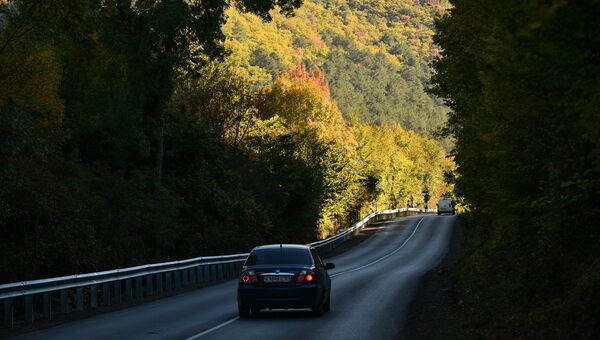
277, 279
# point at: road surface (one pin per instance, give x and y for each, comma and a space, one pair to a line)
372, 287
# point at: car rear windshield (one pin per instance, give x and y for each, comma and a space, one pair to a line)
279, 256
445, 202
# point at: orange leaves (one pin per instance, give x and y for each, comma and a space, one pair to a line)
315, 76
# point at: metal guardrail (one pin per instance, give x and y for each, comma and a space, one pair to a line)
88, 291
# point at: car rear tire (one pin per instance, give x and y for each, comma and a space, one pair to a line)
255, 311
243, 311
318, 311
327, 305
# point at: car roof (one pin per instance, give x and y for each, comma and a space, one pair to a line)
283, 246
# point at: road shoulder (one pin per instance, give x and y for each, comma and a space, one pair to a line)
431, 313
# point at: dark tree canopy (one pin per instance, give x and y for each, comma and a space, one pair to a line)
523, 80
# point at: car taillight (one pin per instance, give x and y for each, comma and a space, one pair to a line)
306, 276
249, 277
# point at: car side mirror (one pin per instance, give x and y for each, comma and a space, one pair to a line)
329, 266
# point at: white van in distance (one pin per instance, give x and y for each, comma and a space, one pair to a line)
445, 205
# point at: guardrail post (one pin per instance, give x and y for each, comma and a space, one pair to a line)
192, 275
168, 281
138, 288
79, 299
177, 274
185, 277
219, 271
118, 296
128, 292
206, 273
94, 296
213, 272
47, 306
199, 274
159, 283
29, 309
149, 288
106, 294
9, 315
64, 301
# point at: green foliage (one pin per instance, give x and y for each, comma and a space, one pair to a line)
85, 85
374, 53
220, 99
521, 79
125, 139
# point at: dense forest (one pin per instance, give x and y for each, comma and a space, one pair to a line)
375, 53
522, 79
130, 133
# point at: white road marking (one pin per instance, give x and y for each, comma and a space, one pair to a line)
383, 257
210, 330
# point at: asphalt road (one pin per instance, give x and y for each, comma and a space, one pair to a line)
372, 287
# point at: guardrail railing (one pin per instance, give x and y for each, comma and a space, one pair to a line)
89, 291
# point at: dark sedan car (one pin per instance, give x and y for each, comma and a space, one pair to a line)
284, 276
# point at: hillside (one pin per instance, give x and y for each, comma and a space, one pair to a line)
375, 54
113, 134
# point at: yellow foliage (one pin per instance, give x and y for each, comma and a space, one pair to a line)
246, 32
302, 100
